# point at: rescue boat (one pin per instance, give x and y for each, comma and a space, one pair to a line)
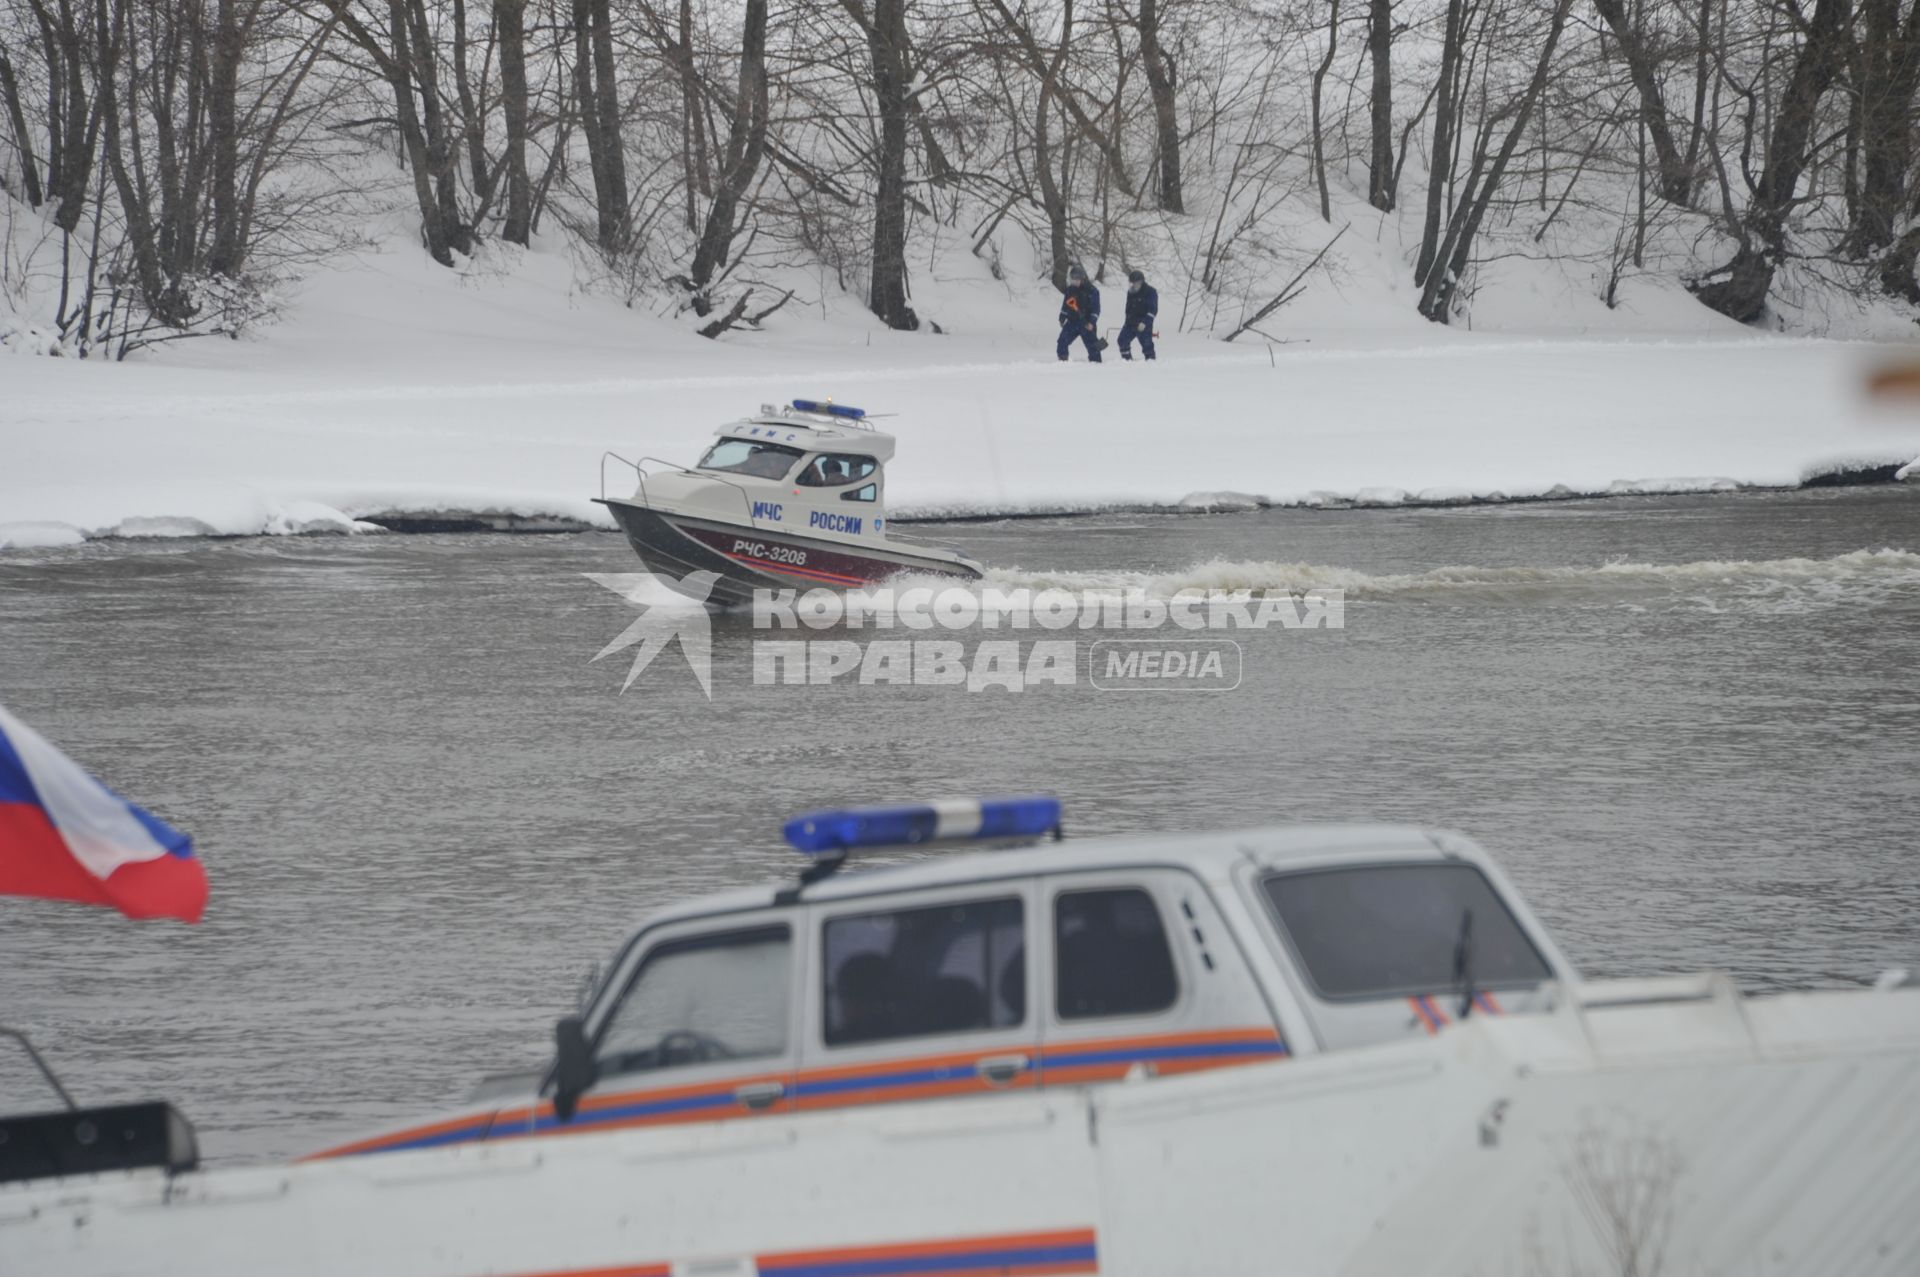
791, 498
1317, 1050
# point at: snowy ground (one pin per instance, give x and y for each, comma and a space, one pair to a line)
394, 385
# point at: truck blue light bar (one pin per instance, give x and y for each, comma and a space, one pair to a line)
825, 833
830, 409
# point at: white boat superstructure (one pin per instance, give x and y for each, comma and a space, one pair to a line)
793, 497
1310, 1050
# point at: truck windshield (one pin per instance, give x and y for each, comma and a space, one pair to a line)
1378, 931
752, 458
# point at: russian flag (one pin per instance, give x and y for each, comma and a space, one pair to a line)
66, 836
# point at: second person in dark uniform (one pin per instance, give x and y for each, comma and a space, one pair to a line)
1143, 306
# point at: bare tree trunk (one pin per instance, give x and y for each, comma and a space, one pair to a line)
188, 146
607, 89
693, 116
473, 112
440, 144
599, 104
1436, 301
1380, 174
510, 17
746, 142
588, 106
224, 138
886, 43
1762, 229
163, 300
1166, 115
1319, 79
1889, 76
17, 118
1051, 201
73, 118
1702, 77
398, 66
1676, 179
1440, 170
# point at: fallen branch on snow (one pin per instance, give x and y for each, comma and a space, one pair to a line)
1293, 288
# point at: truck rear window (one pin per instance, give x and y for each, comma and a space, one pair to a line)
1377, 931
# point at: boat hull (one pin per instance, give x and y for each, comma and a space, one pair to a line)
745, 559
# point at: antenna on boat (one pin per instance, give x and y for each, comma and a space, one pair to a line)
830, 836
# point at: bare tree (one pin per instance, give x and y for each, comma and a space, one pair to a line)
73, 107
1483, 180
1380, 170
598, 100
693, 131
510, 19
1028, 45
1887, 79
1441, 160
1166, 115
1676, 175
887, 46
222, 96
405, 59
22, 135
1739, 289
1319, 79
746, 143
1052, 202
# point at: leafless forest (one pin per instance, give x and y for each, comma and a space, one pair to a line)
184, 153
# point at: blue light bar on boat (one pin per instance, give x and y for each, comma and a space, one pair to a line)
826, 833
830, 409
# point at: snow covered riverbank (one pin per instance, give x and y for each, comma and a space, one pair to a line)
423, 395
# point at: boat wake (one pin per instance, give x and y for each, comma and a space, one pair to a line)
1863, 576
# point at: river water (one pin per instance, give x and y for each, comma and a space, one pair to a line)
1689, 726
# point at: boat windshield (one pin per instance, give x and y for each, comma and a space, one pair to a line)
752, 458
1377, 931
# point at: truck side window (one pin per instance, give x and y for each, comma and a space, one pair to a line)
946, 968
701, 1000
1378, 931
1110, 955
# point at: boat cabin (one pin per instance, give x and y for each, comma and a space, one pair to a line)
1048, 965
814, 468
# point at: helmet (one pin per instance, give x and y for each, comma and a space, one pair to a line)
1135, 277
1076, 271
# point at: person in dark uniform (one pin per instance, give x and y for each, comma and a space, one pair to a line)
1143, 304
1080, 315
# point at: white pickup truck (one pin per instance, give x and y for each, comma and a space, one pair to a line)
1310, 1050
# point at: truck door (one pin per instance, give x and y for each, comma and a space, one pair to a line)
919, 995
702, 1027
1142, 976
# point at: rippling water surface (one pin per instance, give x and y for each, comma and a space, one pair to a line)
1690, 726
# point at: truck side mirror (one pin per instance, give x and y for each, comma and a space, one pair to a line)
573, 1070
